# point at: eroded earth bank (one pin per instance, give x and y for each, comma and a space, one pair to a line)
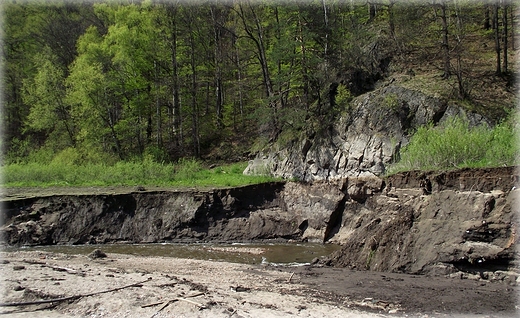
412, 244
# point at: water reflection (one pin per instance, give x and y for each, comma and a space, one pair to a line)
275, 253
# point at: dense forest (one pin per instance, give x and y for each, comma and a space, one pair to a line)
166, 80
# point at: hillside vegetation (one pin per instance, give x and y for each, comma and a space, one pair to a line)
455, 144
186, 173
96, 84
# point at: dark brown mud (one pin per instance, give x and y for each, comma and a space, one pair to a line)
414, 295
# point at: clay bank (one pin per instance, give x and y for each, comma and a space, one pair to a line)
459, 223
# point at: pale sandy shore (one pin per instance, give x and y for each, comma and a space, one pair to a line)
146, 287
169, 287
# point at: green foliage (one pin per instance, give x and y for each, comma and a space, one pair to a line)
44, 93
61, 172
18, 151
89, 83
188, 169
504, 148
391, 101
370, 257
286, 137
343, 97
454, 144
260, 143
155, 153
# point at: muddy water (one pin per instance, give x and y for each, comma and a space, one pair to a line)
275, 253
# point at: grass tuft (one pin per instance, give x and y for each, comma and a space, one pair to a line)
454, 144
187, 173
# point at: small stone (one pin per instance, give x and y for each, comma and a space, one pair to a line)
4, 261
18, 288
97, 253
18, 267
239, 289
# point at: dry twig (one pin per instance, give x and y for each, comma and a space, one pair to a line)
46, 301
201, 306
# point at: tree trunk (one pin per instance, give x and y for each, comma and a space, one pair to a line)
263, 58
194, 108
391, 19
158, 108
487, 23
239, 82
463, 93
219, 94
64, 116
371, 11
305, 75
512, 27
326, 21
111, 124
256, 36
176, 105
445, 44
498, 70
504, 21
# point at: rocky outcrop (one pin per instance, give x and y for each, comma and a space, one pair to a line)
361, 143
440, 223
431, 223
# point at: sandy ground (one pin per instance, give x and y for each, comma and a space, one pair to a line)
171, 287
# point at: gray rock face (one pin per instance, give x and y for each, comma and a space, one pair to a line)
465, 224
363, 142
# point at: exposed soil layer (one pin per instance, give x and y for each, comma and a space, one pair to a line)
413, 222
454, 232
436, 223
213, 289
482, 180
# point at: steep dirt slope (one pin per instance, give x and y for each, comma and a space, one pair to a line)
438, 223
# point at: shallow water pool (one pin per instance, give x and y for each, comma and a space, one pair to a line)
246, 253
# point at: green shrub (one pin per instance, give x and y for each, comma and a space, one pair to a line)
68, 156
344, 96
187, 169
391, 101
18, 150
454, 144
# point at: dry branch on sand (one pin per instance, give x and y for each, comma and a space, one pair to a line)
54, 300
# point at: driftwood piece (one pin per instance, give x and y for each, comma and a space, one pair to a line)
47, 301
175, 299
152, 304
201, 306
65, 269
160, 309
56, 268
30, 261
